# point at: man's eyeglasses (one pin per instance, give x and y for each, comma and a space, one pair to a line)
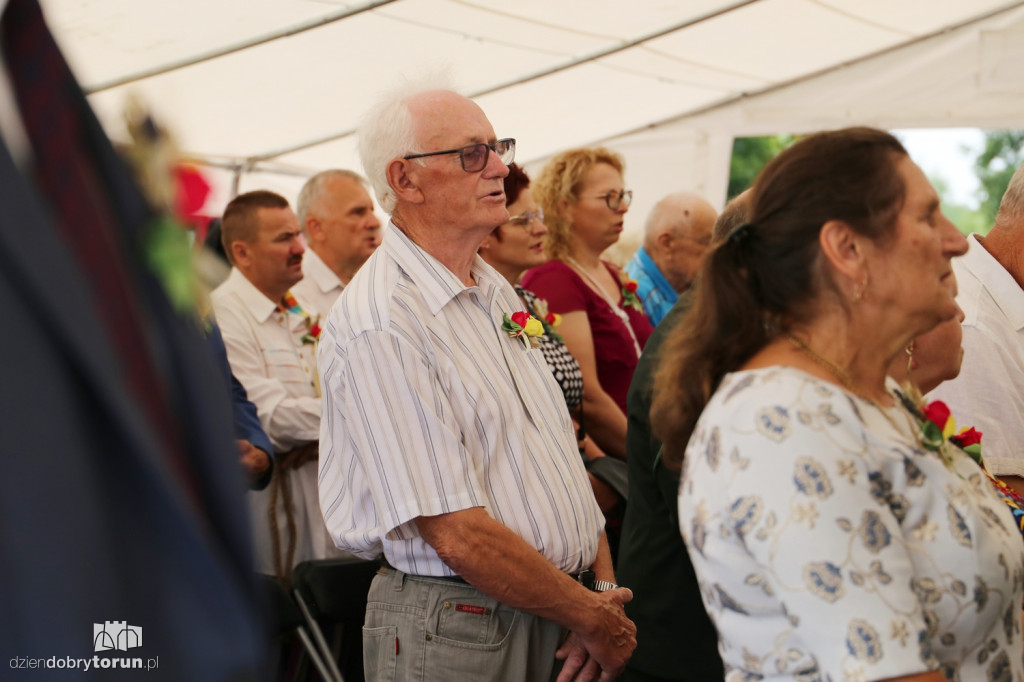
524, 219
615, 199
473, 157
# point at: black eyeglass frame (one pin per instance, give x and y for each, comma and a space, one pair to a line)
620, 196
510, 148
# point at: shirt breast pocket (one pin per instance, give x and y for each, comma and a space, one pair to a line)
286, 366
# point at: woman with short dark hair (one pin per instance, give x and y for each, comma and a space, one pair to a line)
834, 533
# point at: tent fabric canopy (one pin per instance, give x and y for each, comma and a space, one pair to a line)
267, 92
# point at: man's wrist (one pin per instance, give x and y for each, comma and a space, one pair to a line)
603, 586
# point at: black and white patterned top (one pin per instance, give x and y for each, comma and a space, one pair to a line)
558, 358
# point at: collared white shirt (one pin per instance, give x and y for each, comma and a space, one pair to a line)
319, 286
989, 393
430, 408
268, 356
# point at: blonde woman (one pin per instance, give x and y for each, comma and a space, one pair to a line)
584, 198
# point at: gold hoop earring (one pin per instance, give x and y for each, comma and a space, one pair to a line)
910, 357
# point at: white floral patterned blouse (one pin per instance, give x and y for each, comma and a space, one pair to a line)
830, 547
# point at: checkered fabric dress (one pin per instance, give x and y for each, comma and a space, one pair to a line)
558, 358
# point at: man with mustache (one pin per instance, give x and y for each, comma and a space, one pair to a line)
270, 337
446, 445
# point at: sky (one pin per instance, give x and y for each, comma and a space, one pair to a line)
941, 153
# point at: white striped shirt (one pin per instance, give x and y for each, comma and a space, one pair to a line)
430, 408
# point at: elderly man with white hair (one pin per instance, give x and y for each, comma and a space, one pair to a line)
445, 444
341, 230
989, 393
676, 237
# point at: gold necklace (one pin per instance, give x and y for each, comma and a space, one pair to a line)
838, 372
844, 378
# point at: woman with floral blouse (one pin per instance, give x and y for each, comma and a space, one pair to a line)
835, 532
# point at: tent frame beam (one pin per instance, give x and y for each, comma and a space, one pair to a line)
286, 32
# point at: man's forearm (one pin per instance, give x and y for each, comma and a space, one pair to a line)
496, 561
602, 567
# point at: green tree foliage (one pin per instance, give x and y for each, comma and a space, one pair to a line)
967, 219
749, 155
1003, 153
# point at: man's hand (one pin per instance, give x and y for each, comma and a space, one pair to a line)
578, 666
254, 461
600, 654
499, 563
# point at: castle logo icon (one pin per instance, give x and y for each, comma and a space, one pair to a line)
116, 635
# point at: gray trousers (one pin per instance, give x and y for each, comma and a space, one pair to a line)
434, 630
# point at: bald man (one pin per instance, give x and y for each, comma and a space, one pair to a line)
676, 237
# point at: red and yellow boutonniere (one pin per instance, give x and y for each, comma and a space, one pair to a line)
938, 423
313, 330
969, 440
549, 319
939, 426
523, 326
628, 289
541, 308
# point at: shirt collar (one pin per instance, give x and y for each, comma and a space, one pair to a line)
1001, 285
254, 300
317, 270
436, 283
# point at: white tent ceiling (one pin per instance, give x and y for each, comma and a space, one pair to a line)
272, 90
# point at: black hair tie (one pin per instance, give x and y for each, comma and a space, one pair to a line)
740, 234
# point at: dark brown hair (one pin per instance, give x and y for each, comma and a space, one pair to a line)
239, 223
767, 273
516, 181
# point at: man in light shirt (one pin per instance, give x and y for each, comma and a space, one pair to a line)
445, 443
270, 337
989, 393
676, 237
341, 231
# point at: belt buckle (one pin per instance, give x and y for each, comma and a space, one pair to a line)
586, 578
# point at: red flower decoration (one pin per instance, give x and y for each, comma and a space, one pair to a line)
521, 318
314, 331
631, 286
967, 438
937, 413
550, 318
